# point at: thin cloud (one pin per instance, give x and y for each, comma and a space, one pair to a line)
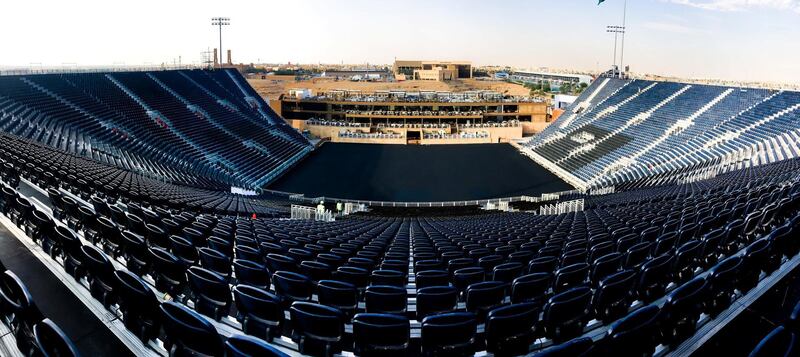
669, 27
740, 5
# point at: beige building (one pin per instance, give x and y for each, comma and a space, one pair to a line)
432, 70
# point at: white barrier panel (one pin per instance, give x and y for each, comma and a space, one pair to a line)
562, 207
242, 191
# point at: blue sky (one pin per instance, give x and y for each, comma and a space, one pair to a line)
754, 40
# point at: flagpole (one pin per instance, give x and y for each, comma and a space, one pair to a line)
625, 29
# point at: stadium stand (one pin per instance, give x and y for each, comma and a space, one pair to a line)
121, 180
623, 131
193, 127
638, 270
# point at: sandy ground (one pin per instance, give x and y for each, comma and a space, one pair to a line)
274, 86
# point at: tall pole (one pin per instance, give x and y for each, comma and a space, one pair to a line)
616, 30
616, 34
622, 55
220, 21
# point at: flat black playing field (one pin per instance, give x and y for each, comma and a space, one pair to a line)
418, 173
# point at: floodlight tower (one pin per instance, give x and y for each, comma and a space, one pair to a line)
616, 30
219, 22
622, 51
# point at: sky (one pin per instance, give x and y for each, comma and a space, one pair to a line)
744, 40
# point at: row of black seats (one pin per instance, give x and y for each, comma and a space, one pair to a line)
35, 334
759, 252
784, 340
48, 167
141, 311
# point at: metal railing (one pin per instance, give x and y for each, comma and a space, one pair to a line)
74, 69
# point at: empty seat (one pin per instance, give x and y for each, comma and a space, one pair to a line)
259, 312
292, 287
51, 341
755, 259
338, 294
654, 278
451, 334
507, 272
682, 310
251, 273
428, 278
464, 277
386, 299
605, 266
484, 296
381, 335
138, 305
18, 310
570, 276
168, 272
722, 280
510, 330
436, 299
215, 261
613, 296
317, 329
245, 346
387, 277
134, 249
187, 333
566, 314
779, 342
531, 288
575, 347
635, 334
100, 274
212, 296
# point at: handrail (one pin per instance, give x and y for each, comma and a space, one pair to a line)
29, 71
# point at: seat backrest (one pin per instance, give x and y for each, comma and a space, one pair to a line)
50, 340
246, 346
450, 331
385, 299
380, 332
634, 333
531, 286
251, 273
188, 331
436, 299
574, 347
338, 294
317, 320
779, 342
485, 295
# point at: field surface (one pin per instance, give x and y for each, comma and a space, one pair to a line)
418, 173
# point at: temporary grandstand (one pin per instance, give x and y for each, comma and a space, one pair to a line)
634, 132
120, 235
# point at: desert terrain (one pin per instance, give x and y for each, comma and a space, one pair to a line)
274, 86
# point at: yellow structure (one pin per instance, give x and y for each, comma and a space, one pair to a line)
432, 70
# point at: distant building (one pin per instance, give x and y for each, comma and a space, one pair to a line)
432, 70
367, 74
561, 101
555, 79
501, 75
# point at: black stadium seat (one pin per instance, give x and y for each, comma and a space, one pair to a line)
378, 334
187, 333
51, 341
